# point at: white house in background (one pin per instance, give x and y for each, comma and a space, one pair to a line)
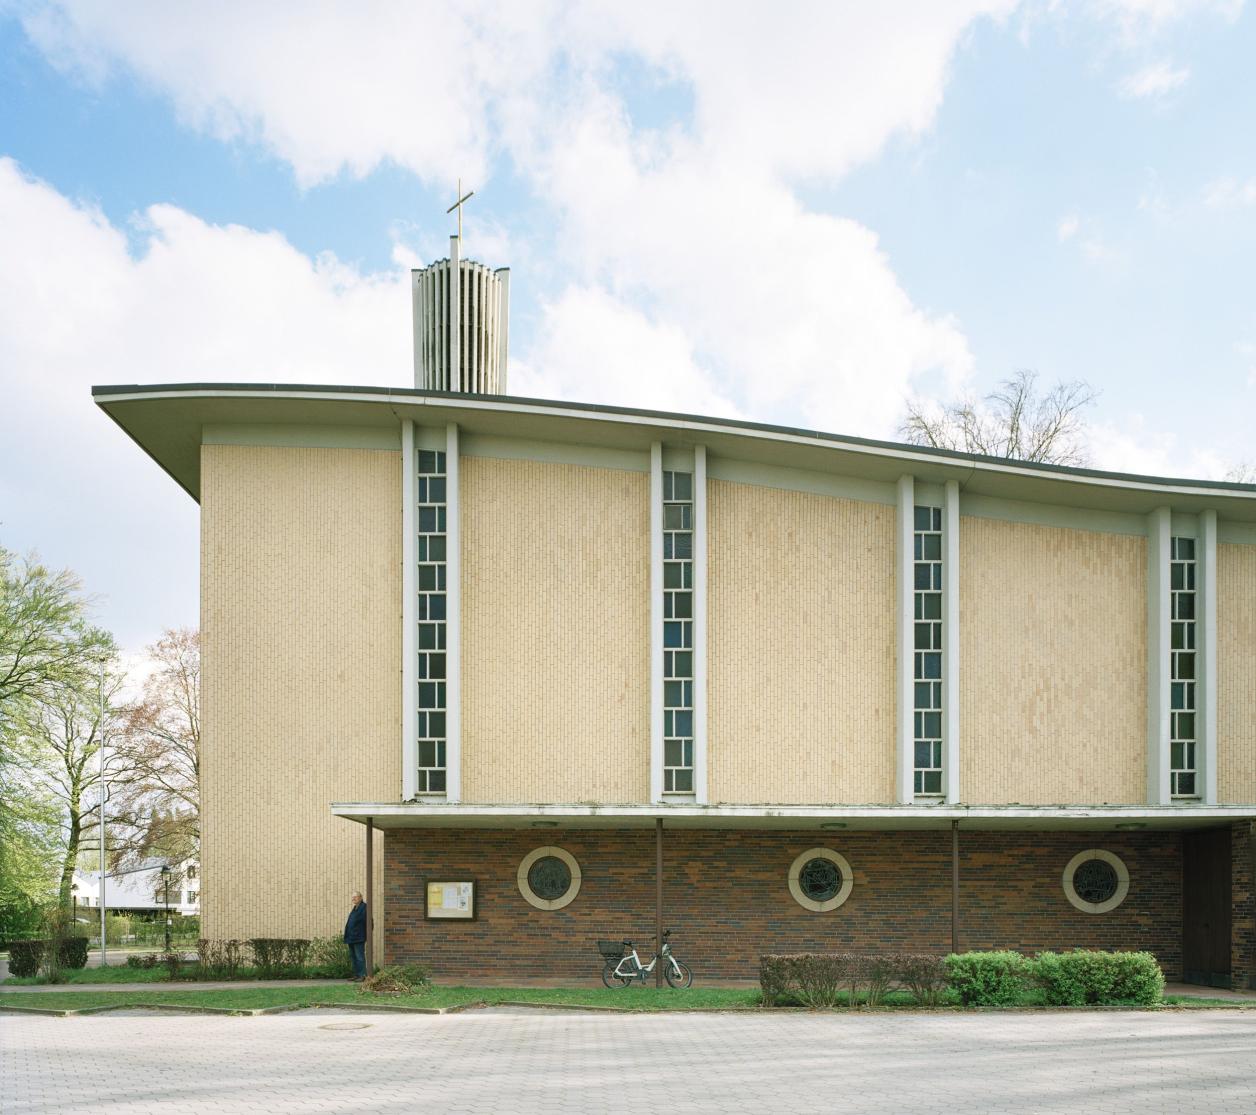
141, 891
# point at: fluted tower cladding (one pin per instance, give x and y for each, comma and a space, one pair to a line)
461, 325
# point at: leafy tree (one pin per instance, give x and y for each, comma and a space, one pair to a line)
46, 644
1013, 421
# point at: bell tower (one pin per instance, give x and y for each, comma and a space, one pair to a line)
461, 321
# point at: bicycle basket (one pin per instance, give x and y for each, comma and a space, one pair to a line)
611, 950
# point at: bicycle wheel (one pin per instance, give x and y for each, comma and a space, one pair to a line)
677, 974
613, 978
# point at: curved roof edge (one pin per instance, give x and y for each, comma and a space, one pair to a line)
131, 406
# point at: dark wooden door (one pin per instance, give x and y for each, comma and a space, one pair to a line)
1206, 907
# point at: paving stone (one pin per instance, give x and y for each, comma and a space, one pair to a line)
523, 1061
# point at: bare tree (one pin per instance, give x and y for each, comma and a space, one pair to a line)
1242, 473
158, 744
62, 737
1013, 421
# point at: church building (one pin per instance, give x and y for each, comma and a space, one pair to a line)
531, 673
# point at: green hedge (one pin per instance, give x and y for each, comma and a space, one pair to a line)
979, 979
1082, 978
988, 979
74, 952
25, 957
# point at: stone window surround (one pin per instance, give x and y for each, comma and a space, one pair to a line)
843, 865
1122, 881
525, 865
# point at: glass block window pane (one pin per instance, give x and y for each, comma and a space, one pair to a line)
430, 587
927, 585
1182, 771
678, 632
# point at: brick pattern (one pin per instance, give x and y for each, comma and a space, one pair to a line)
556, 633
1236, 673
801, 647
1243, 905
727, 899
300, 601
1053, 668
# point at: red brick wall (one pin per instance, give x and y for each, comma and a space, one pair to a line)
1243, 905
726, 897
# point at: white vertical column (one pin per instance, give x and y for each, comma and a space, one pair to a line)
906, 765
455, 315
420, 326
950, 644
1159, 534
453, 620
503, 326
409, 621
1206, 634
701, 795
656, 621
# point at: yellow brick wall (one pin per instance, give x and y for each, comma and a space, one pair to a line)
1053, 679
1236, 673
301, 683
801, 639
555, 638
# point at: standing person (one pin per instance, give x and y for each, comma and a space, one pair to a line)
355, 938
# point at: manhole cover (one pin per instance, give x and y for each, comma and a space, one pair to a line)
346, 1026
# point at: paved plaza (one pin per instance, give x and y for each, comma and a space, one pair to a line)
518, 1060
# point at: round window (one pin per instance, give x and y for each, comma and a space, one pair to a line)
820, 879
549, 878
1096, 881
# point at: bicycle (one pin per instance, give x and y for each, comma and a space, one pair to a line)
624, 967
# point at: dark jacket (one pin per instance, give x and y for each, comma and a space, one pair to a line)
355, 927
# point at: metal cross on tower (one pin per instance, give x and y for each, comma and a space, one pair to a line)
458, 205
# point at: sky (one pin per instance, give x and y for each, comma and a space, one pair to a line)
804, 214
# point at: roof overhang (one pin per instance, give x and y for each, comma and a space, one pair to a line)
167, 421
1010, 818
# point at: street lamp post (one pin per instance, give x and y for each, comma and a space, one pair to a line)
165, 879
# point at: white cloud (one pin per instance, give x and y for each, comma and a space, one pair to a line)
1228, 191
1068, 226
1154, 80
197, 302
1143, 17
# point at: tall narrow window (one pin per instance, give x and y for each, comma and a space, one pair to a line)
431, 618
1182, 769
677, 632
927, 569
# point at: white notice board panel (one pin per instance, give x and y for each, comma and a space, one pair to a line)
451, 900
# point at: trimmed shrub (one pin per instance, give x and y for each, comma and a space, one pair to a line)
397, 979
25, 958
818, 979
329, 956
924, 975
74, 952
1139, 979
279, 957
143, 960
174, 964
1083, 978
988, 979
218, 959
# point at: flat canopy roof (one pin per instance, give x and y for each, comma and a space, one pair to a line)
1007, 818
166, 421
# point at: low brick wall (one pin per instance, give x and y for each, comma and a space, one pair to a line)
727, 899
